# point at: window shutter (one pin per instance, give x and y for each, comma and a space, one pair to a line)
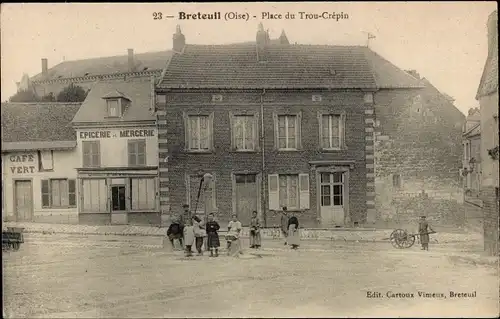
304, 191
342, 130
211, 132
45, 193
276, 139
298, 126
72, 192
320, 132
273, 187
232, 130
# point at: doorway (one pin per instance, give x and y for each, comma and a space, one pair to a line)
246, 197
118, 198
332, 188
23, 194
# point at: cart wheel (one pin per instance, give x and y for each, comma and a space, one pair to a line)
398, 237
16, 246
409, 241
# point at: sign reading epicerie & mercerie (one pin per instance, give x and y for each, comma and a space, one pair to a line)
116, 134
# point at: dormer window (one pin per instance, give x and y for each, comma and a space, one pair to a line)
116, 103
113, 108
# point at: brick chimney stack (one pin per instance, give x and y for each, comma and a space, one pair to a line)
179, 40
283, 38
262, 41
45, 67
493, 32
414, 73
131, 64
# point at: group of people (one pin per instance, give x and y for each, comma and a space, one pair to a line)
195, 231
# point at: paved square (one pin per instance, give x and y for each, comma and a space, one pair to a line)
90, 276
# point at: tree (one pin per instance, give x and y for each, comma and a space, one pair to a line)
72, 93
24, 96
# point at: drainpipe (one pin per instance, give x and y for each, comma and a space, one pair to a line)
263, 155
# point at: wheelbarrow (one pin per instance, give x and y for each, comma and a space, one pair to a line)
401, 239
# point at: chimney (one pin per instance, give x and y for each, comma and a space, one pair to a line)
179, 40
45, 68
131, 64
492, 32
413, 73
262, 40
283, 38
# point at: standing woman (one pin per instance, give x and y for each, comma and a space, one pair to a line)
255, 238
213, 241
293, 232
233, 237
284, 224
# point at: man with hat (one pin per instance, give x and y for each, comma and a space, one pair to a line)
284, 223
424, 229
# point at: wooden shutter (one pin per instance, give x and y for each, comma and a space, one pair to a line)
72, 192
274, 194
342, 130
304, 191
45, 193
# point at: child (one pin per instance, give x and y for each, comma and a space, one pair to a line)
293, 232
254, 231
199, 233
233, 235
189, 237
213, 241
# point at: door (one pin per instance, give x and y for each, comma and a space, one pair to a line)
246, 197
23, 200
118, 198
332, 199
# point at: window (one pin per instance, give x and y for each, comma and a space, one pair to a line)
328, 182
136, 152
195, 202
143, 194
58, 193
113, 108
396, 181
94, 195
45, 160
287, 132
91, 154
332, 131
199, 132
244, 132
291, 190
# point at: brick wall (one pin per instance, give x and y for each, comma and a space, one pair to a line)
223, 162
491, 220
418, 145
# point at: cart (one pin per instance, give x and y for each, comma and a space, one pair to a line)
401, 239
12, 238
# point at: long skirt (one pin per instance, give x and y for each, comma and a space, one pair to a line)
213, 240
255, 238
293, 236
424, 239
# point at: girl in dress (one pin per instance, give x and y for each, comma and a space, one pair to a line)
293, 232
255, 238
213, 241
233, 237
189, 237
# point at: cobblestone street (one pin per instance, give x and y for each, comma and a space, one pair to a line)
111, 276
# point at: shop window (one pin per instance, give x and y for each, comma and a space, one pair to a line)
94, 195
58, 193
143, 194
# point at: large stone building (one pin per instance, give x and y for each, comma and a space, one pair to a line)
487, 95
276, 124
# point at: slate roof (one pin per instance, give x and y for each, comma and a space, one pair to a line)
37, 122
106, 65
286, 66
489, 80
94, 108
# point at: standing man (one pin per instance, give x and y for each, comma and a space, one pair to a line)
284, 223
424, 229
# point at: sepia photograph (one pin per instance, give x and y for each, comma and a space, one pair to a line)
250, 160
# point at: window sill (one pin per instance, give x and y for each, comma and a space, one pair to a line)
46, 170
332, 150
112, 117
199, 152
288, 150
244, 151
58, 207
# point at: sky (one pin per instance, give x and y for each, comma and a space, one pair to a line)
446, 42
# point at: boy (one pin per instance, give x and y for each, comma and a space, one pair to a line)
189, 237
213, 241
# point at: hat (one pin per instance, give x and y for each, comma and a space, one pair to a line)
185, 206
284, 208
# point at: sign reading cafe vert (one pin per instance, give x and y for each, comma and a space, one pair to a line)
116, 134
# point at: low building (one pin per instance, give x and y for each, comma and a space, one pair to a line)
117, 151
38, 159
487, 95
276, 124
